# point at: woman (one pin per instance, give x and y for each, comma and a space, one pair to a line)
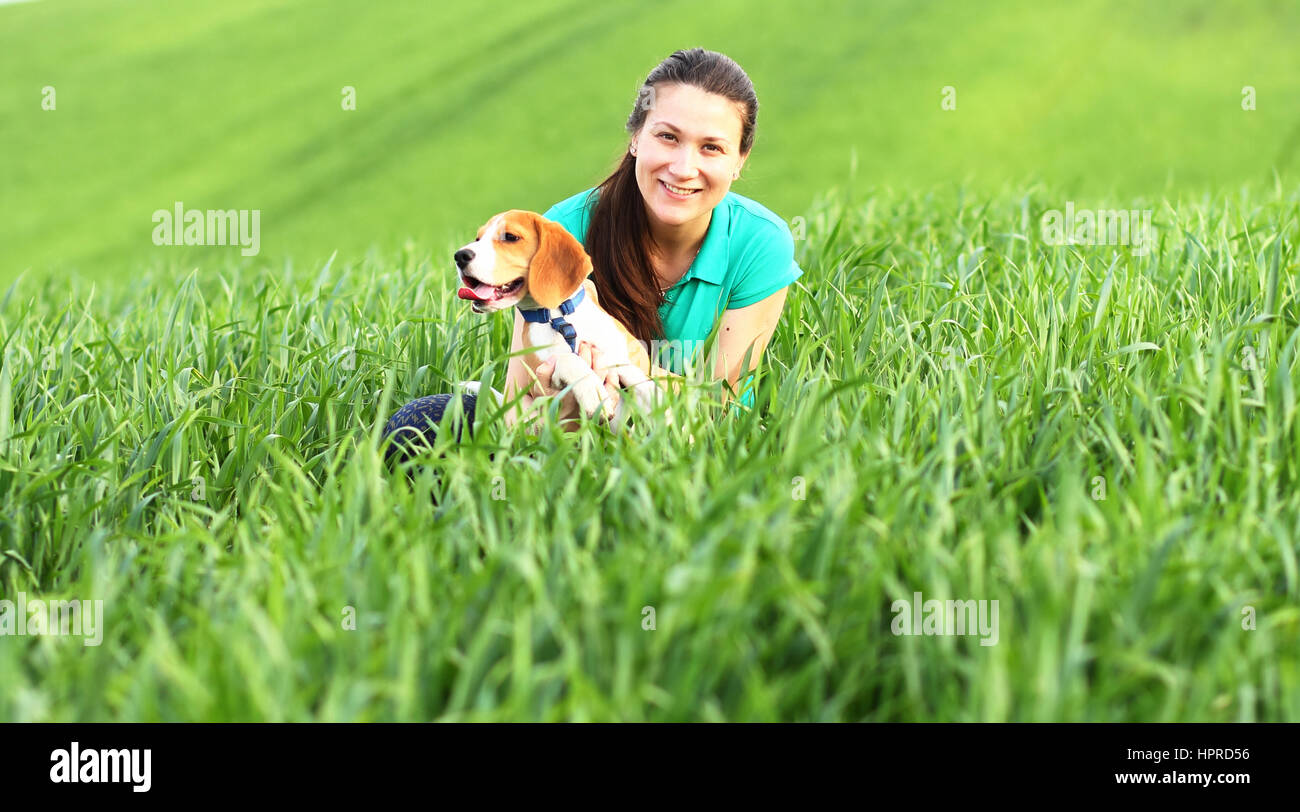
674, 251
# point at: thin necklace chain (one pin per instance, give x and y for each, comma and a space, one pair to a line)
663, 289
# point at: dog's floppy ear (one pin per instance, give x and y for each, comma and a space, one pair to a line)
559, 266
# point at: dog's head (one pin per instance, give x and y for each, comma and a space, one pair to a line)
520, 257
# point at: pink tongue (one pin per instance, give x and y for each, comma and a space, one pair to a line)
480, 293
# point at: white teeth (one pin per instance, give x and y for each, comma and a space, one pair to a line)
678, 190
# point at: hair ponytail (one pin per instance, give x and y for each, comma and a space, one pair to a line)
618, 235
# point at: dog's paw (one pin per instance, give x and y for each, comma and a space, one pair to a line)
588, 388
647, 393
568, 370
592, 399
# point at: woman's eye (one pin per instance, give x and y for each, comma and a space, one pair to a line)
666, 135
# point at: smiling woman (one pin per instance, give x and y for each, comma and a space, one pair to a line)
674, 250
676, 254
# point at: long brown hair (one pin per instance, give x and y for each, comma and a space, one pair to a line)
618, 236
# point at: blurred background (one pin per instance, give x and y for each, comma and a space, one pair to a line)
465, 109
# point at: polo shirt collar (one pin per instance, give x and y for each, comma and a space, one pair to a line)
710, 264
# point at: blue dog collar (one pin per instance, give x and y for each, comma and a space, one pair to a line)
542, 315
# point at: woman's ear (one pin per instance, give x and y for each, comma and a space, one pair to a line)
559, 266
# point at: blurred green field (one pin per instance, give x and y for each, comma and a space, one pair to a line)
466, 109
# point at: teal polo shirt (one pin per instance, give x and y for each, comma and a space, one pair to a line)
747, 255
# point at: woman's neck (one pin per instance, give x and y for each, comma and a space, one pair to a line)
681, 242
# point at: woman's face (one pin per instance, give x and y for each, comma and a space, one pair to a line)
690, 140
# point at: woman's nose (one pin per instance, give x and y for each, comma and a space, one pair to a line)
684, 166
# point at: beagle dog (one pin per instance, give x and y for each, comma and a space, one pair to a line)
521, 259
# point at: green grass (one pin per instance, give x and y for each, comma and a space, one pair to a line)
947, 387
467, 109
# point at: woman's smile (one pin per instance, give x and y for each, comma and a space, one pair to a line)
677, 192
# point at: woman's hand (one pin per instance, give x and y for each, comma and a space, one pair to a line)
569, 409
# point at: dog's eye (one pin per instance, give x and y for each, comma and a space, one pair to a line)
508, 237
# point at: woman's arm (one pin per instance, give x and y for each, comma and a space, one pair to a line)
744, 328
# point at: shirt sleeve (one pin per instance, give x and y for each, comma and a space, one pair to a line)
768, 265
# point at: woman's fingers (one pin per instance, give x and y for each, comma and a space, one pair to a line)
598, 361
594, 357
543, 372
600, 366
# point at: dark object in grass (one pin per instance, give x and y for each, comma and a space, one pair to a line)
416, 424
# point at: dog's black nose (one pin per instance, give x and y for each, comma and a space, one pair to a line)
463, 257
